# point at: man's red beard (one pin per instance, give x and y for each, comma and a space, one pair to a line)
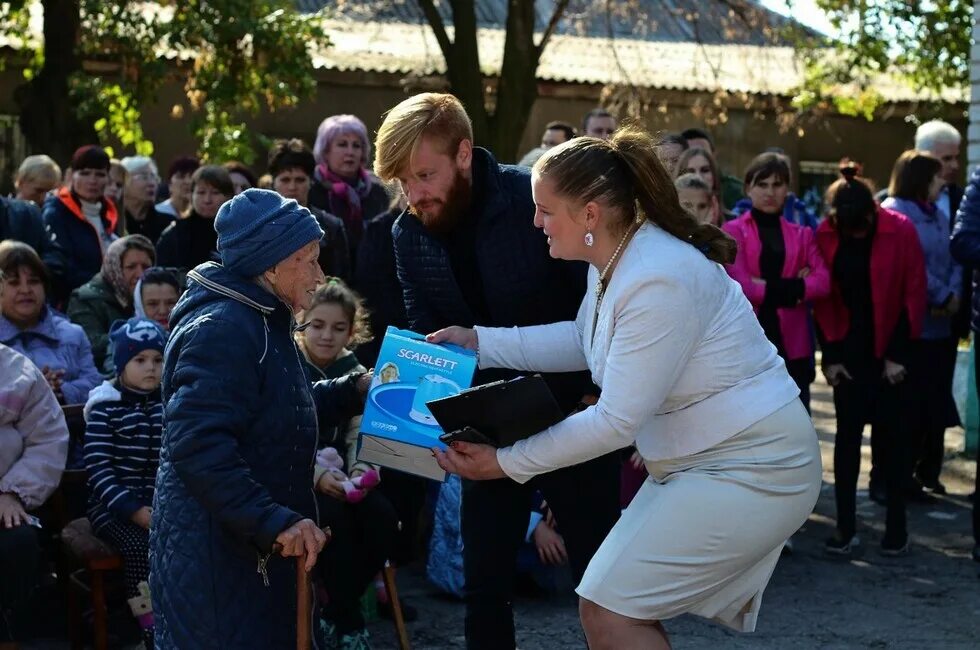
450, 211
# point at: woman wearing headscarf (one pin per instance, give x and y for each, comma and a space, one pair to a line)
109, 295
345, 187
233, 496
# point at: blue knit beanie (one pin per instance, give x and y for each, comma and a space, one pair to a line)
130, 337
258, 229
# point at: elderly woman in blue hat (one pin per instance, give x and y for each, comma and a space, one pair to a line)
236, 464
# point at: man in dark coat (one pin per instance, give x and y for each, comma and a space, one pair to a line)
236, 462
467, 253
21, 220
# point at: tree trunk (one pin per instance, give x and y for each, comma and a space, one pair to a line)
47, 115
463, 69
517, 88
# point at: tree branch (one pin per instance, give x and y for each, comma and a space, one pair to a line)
743, 11
560, 7
438, 27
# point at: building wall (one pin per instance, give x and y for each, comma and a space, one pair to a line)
369, 95
875, 144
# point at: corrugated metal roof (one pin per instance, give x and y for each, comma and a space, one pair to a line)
704, 21
406, 48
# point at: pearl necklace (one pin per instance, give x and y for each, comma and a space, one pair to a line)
600, 285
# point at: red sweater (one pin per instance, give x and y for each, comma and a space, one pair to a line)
898, 281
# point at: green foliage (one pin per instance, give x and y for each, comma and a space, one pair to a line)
114, 111
234, 57
922, 43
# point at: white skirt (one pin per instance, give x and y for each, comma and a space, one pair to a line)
703, 534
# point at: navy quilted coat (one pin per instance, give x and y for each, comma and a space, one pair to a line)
236, 466
966, 239
522, 284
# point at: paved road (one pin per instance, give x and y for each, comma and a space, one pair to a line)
929, 599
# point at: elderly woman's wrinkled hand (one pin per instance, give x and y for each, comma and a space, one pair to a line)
303, 537
470, 460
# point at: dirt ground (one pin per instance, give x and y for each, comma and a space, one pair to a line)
929, 599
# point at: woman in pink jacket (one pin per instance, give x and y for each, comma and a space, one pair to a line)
779, 267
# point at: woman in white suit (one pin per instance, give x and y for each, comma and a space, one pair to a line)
687, 375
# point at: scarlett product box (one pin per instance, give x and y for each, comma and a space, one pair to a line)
398, 430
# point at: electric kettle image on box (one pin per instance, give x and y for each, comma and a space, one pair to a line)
431, 388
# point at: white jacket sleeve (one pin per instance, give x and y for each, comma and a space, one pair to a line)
40, 422
556, 347
655, 331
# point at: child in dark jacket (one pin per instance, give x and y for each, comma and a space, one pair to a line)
362, 521
124, 423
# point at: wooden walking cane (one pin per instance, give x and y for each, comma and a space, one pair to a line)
304, 599
304, 606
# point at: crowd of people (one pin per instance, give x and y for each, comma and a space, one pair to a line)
174, 299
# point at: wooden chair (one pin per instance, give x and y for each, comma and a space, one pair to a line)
86, 561
401, 631
97, 560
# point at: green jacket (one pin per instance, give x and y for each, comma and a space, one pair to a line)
731, 191
94, 306
342, 438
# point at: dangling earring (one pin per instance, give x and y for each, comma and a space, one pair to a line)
589, 239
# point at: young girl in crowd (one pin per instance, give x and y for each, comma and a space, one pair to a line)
700, 162
124, 423
697, 198
363, 527
155, 296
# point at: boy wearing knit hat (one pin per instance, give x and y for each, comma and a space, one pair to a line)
124, 424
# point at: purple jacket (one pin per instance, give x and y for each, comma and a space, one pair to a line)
59, 344
801, 253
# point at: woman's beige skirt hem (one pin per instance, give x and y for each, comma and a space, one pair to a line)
704, 533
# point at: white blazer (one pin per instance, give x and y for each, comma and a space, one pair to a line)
677, 350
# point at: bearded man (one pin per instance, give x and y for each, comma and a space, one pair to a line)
467, 253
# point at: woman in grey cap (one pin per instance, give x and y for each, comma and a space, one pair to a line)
236, 464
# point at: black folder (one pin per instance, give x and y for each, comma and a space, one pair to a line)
504, 411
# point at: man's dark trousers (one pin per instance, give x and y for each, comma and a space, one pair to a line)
585, 501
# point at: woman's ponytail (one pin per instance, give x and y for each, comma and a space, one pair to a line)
657, 199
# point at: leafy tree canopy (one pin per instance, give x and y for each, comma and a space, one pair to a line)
925, 43
234, 57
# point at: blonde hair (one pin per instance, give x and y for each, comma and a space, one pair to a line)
438, 115
37, 168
